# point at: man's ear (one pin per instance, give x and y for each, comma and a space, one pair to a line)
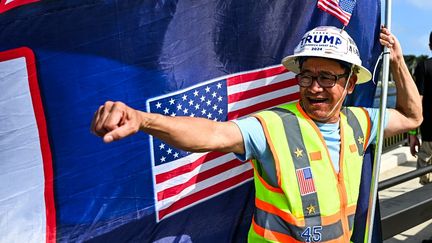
352, 82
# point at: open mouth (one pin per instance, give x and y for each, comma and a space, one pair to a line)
317, 100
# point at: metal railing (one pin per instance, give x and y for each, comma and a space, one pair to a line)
395, 141
417, 204
407, 210
404, 178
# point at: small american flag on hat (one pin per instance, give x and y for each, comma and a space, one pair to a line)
305, 181
341, 9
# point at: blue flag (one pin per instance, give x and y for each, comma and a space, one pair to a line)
60, 60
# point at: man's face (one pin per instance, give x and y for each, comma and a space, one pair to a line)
323, 104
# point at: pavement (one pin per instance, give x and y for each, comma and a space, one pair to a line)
393, 163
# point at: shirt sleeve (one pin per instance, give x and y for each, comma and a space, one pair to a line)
374, 116
254, 140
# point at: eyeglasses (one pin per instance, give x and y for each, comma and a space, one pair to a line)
325, 80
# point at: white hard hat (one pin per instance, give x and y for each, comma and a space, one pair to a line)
328, 42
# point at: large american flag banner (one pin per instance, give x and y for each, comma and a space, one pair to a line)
213, 59
341, 9
182, 179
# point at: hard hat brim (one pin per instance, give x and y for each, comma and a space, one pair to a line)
290, 63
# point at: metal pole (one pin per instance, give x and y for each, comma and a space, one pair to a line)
380, 133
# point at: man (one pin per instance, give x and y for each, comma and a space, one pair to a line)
423, 78
307, 156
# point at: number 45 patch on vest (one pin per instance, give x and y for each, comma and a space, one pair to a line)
305, 181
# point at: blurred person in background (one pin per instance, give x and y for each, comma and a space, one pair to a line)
423, 79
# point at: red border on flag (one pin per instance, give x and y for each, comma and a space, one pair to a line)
15, 3
28, 54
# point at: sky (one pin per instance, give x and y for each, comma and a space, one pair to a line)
412, 24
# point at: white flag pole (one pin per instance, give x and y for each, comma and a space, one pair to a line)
380, 134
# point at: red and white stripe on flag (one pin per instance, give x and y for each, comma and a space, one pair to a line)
27, 211
188, 179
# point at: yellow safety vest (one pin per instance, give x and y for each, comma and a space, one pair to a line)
301, 198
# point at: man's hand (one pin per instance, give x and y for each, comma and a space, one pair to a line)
413, 143
390, 41
115, 120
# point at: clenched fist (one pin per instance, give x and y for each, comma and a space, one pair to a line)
115, 120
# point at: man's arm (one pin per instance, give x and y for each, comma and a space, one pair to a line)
115, 120
408, 112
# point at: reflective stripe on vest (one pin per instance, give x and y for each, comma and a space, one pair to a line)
360, 132
264, 234
354, 123
292, 218
295, 140
275, 223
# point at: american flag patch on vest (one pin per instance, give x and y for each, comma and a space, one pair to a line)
305, 181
